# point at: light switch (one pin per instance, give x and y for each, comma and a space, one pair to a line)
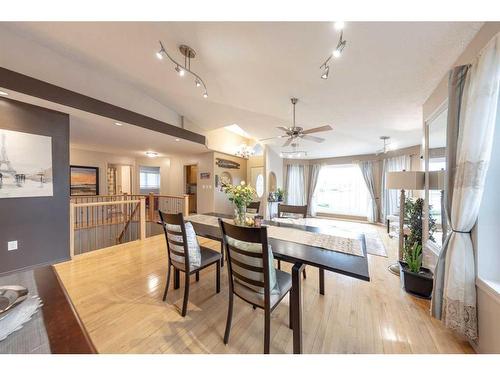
11, 245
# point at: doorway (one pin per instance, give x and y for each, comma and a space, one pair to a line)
119, 179
190, 185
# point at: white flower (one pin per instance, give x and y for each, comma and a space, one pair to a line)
242, 183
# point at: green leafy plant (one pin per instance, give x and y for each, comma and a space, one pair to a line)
280, 194
413, 257
413, 218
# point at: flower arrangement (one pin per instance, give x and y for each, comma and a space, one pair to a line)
241, 195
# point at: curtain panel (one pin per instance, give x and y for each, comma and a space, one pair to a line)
295, 185
366, 168
473, 107
390, 200
313, 182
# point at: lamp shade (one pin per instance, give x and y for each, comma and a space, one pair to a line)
436, 180
407, 180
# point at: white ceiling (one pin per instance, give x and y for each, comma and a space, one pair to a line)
252, 69
97, 133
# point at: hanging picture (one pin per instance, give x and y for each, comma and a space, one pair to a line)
25, 165
84, 180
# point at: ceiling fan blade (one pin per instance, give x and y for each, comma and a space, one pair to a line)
287, 143
268, 139
282, 128
312, 138
318, 129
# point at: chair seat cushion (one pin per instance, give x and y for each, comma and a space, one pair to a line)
283, 285
208, 256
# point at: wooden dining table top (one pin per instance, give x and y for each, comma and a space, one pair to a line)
334, 261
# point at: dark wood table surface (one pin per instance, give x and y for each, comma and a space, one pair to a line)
300, 255
65, 331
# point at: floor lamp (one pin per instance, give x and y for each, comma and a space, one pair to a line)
404, 180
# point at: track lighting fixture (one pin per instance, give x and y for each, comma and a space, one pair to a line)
182, 69
336, 53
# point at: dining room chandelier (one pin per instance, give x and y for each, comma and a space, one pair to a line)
182, 69
336, 53
244, 151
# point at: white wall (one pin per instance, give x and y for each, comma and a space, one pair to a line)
273, 163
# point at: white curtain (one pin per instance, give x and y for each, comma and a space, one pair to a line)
390, 197
476, 127
366, 168
313, 182
295, 185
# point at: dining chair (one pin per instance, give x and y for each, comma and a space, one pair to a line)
252, 275
286, 210
178, 241
253, 207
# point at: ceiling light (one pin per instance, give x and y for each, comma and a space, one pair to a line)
179, 70
151, 154
177, 139
340, 47
184, 68
325, 73
244, 151
339, 25
3, 93
118, 124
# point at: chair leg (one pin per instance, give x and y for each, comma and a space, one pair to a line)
279, 264
229, 317
290, 309
221, 254
304, 273
197, 275
217, 280
167, 283
186, 295
267, 331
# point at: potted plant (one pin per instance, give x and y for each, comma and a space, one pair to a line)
416, 279
241, 195
280, 195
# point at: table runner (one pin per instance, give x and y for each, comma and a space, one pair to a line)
32, 338
325, 241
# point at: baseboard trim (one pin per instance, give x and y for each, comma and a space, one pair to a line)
31, 267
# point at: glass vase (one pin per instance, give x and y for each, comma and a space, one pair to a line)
240, 215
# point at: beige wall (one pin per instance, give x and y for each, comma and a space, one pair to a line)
488, 299
221, 203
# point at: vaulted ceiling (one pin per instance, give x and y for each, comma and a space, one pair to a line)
252, 69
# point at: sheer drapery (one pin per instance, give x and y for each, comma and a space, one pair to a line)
471, 125
366, 168
313, 182
295, 185
390, 197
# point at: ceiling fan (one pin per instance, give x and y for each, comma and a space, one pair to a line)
387, 145
294, 133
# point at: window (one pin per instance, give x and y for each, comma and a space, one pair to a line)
341, 190
295, 187
149, 180
259, 186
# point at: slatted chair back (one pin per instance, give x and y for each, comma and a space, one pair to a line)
249, 268
175, 236
284, 209
254, 206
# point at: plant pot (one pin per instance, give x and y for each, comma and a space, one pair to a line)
418, 284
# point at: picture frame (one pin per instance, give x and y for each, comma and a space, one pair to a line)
84, 180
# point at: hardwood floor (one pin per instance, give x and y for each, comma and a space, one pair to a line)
117, 292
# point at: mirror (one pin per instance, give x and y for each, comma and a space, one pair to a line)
436, 161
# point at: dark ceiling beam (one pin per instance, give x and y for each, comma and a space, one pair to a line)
40, 89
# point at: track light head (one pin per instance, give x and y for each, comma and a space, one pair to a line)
339, 25
338, 50
159, 55
325, 73
197, 82
179, 70
205, 95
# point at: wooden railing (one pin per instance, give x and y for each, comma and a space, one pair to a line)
106, 220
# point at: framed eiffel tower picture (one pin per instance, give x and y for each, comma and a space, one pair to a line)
25, 165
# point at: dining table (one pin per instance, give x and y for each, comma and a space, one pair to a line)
300, 255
